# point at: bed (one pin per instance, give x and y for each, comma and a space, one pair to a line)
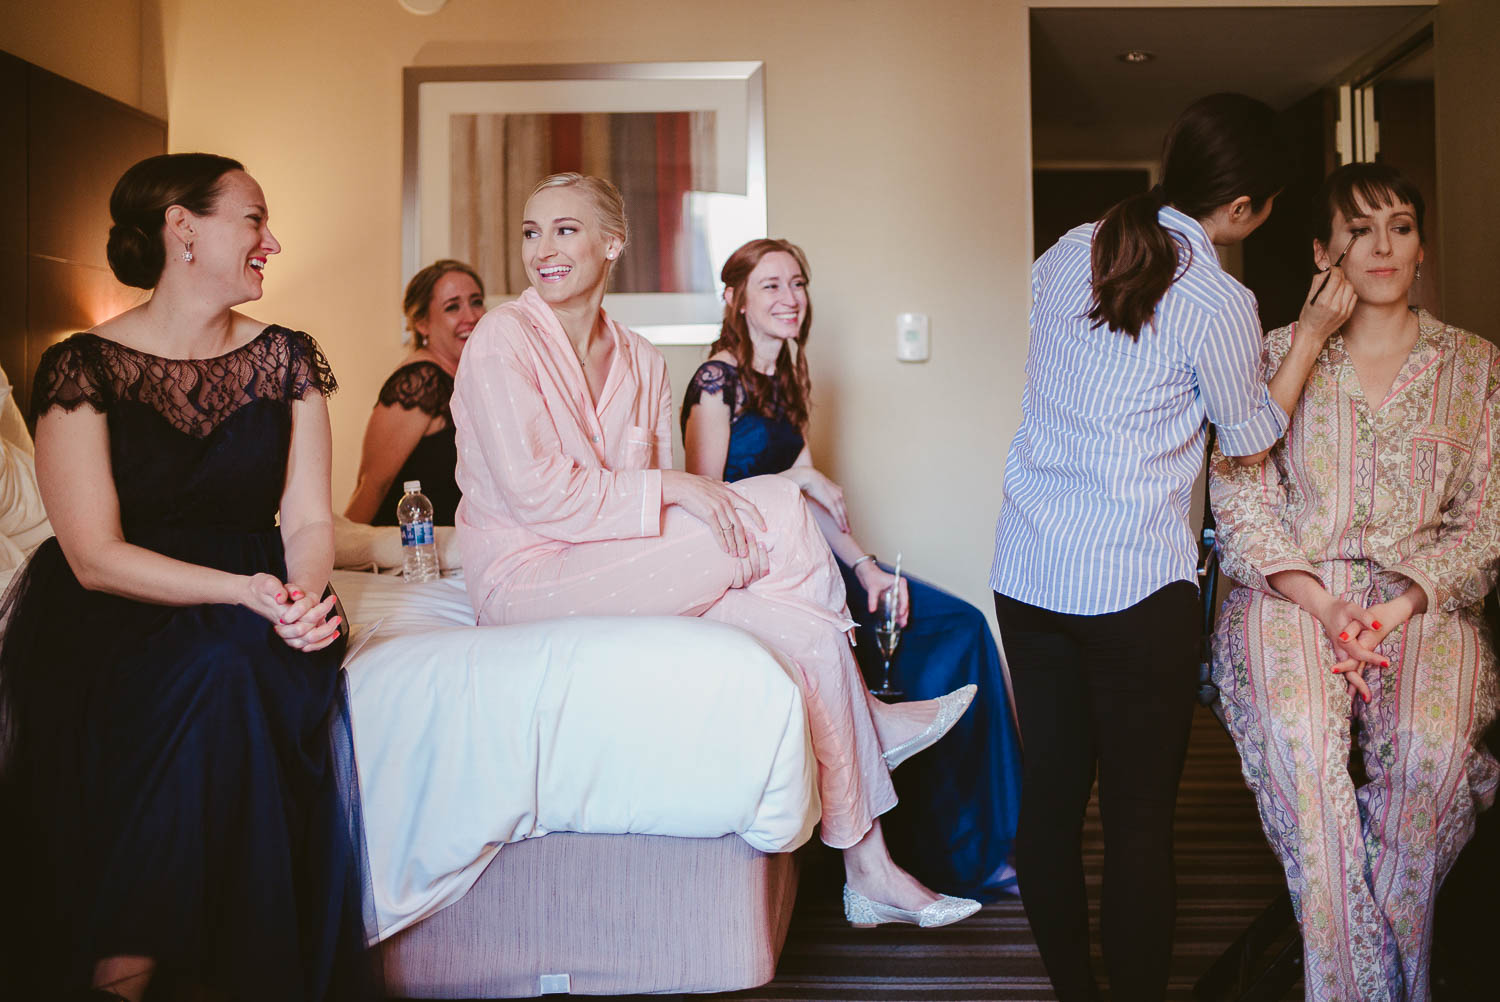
595, 806
591, 805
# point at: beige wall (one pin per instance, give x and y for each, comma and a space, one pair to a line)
1468, 135
899, 157
112, 46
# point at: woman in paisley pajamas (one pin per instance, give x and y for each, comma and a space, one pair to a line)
1364, 546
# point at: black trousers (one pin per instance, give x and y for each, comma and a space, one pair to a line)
1112, 693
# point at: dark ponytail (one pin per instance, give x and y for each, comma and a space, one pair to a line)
136, 250
1222, 147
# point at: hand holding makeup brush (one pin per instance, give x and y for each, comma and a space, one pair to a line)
1330, 301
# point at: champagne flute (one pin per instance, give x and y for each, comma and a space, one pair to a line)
888, 634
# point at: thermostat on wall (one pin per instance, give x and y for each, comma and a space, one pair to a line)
913, 338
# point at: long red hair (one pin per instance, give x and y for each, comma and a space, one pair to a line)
790, 383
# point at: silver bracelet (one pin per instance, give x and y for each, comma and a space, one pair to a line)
855, 565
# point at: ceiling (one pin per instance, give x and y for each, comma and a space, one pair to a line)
1086, 104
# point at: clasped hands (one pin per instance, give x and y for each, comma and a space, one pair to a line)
1356, 632
298, 618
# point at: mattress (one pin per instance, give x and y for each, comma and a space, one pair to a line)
471, 738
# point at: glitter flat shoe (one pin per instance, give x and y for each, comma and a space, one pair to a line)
863, 913
950, 708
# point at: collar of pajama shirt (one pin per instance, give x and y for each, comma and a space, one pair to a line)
540, 464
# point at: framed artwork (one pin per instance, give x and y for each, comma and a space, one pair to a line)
684, 142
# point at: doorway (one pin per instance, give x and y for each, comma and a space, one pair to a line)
1106, 83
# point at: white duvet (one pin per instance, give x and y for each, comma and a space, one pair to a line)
468, 738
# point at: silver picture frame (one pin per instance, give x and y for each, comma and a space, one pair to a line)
733, 91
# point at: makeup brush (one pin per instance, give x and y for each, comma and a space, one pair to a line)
1330, 270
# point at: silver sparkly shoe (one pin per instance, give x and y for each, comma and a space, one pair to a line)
863, 913
950, 708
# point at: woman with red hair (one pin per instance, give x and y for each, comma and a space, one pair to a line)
745, 414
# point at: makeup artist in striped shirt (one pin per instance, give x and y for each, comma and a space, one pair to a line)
1138, 340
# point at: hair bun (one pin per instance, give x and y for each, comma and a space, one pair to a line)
136, 250
134, 257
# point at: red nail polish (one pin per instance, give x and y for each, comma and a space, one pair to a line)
1385, 664
1365, 698
1338, 671
1375, 623
1344, 636
280, 597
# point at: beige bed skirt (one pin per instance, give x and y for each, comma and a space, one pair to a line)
614, 914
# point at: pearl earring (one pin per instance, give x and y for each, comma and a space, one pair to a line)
610, 255
187, 253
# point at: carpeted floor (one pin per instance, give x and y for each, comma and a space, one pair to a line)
1225, 876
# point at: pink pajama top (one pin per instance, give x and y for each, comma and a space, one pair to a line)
540, 465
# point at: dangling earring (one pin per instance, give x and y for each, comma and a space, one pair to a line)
1419, 269
187, 253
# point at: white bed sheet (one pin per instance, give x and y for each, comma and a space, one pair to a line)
468, 738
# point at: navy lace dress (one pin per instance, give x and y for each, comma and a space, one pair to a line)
172, 775
956, 821
424, 386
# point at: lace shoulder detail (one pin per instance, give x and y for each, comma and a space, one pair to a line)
71, 375
420, 386
713, 379
307, 366
194, 395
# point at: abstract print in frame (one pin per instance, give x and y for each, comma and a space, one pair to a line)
685, 143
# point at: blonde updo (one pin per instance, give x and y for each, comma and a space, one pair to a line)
608, 204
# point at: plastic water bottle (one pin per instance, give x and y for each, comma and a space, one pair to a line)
418, 539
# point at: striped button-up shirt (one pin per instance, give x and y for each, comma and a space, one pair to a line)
1099, 479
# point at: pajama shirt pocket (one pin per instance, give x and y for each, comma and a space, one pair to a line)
1436, 461
637, 449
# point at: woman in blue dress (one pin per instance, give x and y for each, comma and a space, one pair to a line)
745, 414
169, 674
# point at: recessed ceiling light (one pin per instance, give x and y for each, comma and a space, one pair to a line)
1136, 56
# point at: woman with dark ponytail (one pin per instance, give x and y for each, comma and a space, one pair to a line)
1139, 340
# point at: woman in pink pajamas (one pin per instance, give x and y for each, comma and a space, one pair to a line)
564, 432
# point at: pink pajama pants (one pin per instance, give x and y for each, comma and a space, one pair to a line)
797, 609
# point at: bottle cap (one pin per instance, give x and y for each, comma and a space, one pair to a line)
412, 487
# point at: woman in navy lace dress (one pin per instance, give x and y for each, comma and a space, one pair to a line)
410, 434
169, 674
745, 414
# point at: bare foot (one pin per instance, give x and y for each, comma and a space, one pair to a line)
899, 722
